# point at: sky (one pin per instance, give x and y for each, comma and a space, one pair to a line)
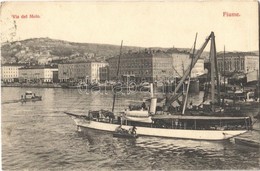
145, 24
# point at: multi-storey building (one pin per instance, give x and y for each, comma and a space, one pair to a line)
237, 62
251, 63
148, 66
70, 72
182, 61
87, 71
97, 69
9, 72
103, 73
37, 74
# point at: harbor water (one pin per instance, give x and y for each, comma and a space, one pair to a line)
39, 136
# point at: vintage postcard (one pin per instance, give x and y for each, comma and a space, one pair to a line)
121, 85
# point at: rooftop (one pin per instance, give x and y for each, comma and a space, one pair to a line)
39, 67
77, 62
146, 53
236, 54
13, 64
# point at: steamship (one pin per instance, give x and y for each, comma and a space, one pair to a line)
198, 124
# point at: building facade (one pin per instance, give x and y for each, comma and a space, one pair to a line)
76, 72
182, 61
73, 72
237, 62
147, 66
37, 74
10, 72
251, 63
98, 70
104, 73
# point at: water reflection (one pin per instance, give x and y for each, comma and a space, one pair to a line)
39, 136
157, 153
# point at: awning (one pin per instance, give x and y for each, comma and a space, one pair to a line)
197, 117
138, 119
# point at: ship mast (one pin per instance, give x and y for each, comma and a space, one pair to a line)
224, 76
214, 72
188, 87
117, 73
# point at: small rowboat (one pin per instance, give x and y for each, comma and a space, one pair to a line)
124, 135
29, 96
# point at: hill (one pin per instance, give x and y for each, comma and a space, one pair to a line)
44, 50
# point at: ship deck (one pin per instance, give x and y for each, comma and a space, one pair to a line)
186, 117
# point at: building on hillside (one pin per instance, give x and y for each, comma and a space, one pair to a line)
237, 62
44, 60
148, 65
37, 74
182, 61
76, 72
9, 72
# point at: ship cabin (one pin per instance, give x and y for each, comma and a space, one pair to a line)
175, 121
28, 95
202, 122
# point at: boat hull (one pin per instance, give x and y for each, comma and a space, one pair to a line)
120, 135
31, 99
214, 135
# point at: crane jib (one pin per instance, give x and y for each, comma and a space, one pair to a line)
197, 56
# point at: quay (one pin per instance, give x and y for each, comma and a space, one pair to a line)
31, 85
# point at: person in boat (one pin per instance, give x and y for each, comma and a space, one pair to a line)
119, 129
132, 130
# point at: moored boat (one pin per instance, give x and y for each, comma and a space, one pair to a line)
30, 96
210, 124
124, 133
173, 126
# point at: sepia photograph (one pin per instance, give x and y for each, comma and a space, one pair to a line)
121, 85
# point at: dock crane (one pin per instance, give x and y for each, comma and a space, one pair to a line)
214, 70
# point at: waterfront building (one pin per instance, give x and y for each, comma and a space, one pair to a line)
73, 72
9, 72
82, 71
181, 62
251, 63
148, 65
96, 70
103, 73
37, 74
238, 62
